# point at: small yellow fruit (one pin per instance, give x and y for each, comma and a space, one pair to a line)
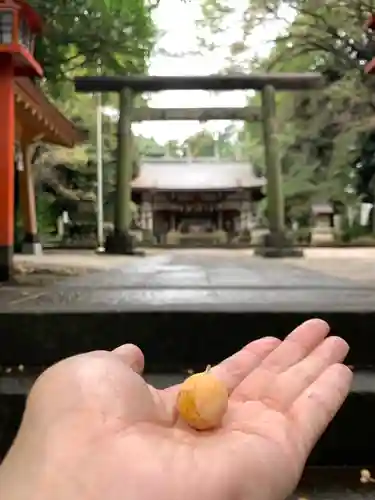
366, 477
202, 401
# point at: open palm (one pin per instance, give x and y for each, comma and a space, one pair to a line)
115, 437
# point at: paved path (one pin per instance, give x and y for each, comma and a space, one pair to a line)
357, 264
76, 260
209, 279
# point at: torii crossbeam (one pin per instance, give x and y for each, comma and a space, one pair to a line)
147, 83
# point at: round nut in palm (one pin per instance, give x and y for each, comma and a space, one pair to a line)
202, 401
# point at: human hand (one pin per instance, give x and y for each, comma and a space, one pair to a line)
94, 430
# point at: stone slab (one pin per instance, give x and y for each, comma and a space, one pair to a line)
194, 280
15, 381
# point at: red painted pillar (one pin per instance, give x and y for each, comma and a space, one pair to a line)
369, 26
7, 140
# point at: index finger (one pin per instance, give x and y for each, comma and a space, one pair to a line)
233, 370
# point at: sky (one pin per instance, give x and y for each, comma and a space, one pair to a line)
177, 21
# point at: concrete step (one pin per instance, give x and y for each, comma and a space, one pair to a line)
172, 340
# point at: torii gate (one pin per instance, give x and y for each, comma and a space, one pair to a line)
276, 243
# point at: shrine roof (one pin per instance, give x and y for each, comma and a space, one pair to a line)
200, 174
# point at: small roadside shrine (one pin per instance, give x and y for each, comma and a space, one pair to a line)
28, 118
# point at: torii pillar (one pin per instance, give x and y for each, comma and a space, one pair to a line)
121, 240
276, 243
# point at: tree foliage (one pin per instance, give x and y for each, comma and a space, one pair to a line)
87, 36
328, 147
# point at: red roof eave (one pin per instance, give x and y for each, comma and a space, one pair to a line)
65, 128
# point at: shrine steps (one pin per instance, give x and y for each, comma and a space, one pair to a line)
173, 339
175, 342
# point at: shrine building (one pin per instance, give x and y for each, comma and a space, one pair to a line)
28, 118
196, 196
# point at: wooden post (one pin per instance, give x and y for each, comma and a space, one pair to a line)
121, 241
7, 172
172, 217
31, 244
220, 220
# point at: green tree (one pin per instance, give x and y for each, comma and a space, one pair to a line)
201, 144
86, 37
209, 144
327, 129
173, 149
81, 34
149, 147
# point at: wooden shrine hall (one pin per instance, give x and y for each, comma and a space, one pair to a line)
196, 199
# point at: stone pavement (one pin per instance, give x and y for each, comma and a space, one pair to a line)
75, 260
211, 279
357, 264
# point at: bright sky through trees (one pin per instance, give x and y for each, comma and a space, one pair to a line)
177, 22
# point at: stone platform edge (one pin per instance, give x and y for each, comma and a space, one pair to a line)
173, 341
